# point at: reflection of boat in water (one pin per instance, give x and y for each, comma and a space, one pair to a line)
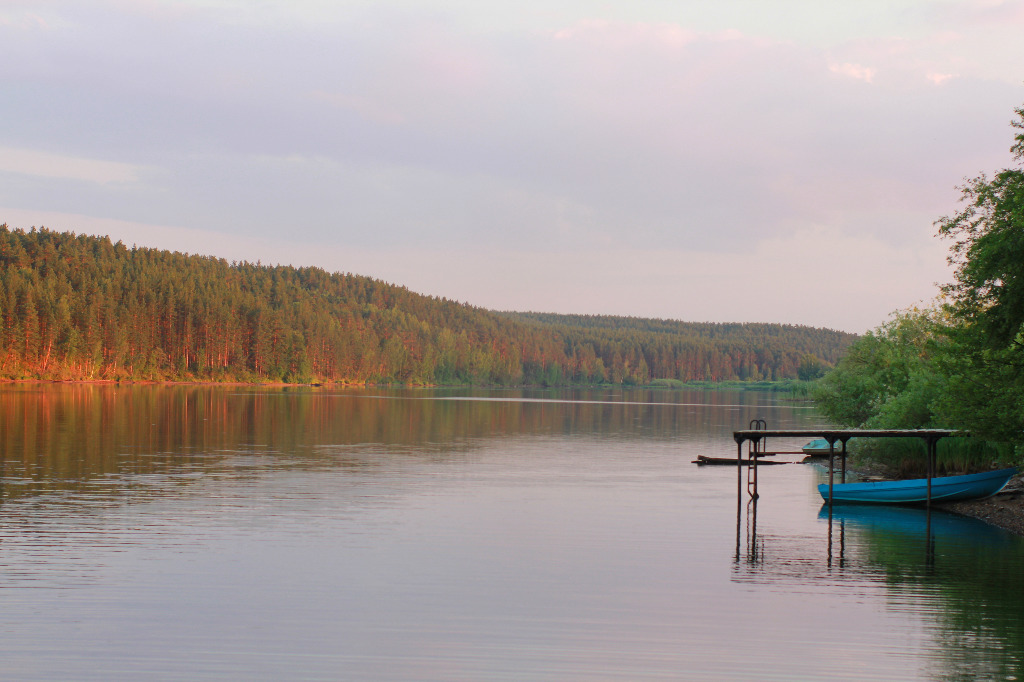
896, 523
913, 491
725, 461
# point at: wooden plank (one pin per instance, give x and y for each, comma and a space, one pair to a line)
731, 461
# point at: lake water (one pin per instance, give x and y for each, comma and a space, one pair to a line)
209, 533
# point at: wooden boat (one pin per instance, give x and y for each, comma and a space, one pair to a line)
701, 459
914, 491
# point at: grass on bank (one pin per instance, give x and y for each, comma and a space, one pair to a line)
907, 457
793, 386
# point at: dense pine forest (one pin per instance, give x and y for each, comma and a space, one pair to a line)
78, 307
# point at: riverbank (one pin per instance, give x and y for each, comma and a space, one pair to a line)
1004, 509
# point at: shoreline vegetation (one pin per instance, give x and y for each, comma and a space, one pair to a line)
799, 389
957, 363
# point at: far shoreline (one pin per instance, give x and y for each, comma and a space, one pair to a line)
781, 386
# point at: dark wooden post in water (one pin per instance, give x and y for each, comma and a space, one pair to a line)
844, 461
739, 468
933, 451
739, 492
831, 462
758, 434
831, 468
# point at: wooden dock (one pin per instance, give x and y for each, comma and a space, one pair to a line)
758, 434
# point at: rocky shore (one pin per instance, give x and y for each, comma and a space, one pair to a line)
1004, 509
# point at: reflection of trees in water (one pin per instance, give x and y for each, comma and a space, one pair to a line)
57, 437
60, 437
968, 569
975, 577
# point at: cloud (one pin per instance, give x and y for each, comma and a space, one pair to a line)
24, 21
939, 78
47, 165
855, 71
627, 35
367, 107
982, 13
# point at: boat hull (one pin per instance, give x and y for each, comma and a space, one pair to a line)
819, 448
915, 491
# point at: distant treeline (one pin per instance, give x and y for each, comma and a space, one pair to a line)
82, 307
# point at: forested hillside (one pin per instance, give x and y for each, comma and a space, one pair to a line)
82, 307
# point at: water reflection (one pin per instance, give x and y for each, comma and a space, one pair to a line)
64, 437
968, 570
445, 534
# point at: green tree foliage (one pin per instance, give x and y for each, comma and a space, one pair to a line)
988, 252
810, 368
960, 364
82, 307
888, 378
985, 355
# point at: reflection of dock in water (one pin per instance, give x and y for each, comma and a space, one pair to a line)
953, 579
866, 541
923, 535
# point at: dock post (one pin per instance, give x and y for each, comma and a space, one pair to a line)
752, 457
830, 535
756, 447
844, 461
831, 469
932, 456
739, 493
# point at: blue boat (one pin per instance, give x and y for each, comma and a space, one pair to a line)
914, 491
819, 448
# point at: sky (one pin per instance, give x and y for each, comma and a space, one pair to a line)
711, 160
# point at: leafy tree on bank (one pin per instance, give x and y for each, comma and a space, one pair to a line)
984, 361
959, 364
888, 378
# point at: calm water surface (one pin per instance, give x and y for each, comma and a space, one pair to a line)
234, 533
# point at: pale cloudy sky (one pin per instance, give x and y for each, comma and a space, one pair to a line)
725, 160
